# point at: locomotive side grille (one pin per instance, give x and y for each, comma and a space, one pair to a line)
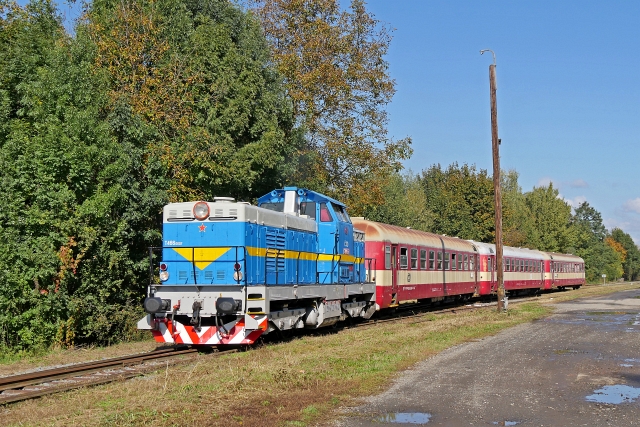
208, 275
182, 275
186, 213
233, 212
275, 240
173, 213
220, 275
219, 212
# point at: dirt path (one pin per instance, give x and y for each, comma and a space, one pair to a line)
579, 367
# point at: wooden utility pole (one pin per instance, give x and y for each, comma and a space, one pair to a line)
497, 192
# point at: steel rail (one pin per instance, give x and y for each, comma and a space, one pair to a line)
35, 384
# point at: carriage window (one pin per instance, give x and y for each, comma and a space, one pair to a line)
507, 264
387, 257
453, 261
325, 215
466, 262
414, 258
489, 264
460, 261
447, 257
472, 266
439, 260
403, 258
432, 260
423, 259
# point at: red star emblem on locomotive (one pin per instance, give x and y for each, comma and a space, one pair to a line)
202, 227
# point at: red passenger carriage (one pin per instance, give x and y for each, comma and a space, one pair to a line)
411, 265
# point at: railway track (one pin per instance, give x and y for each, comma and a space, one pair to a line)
418, 311
48, 381
40, 383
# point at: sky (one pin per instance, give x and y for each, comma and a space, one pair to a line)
568, 94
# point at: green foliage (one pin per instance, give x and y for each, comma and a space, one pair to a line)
599, 257
458, 201
334, 69
461, 200
518, 229
550, 217
631, 263
198, 74
90, 152
405, 204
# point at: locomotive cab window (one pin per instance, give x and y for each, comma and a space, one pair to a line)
403, 258
325, 215
309, 209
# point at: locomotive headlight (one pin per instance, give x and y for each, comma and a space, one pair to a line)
164, 276
237, 276
201, 210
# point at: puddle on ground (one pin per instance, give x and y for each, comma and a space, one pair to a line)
626, 365
506, 423
632, 360
617, 320
405, 418
615, 394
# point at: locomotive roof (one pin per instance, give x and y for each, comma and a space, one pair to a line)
309, 195
376, 231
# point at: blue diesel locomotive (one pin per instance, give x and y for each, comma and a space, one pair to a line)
231, 271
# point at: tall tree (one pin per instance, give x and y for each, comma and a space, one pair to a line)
461, 199
405, 204
90, 150
199, 74
334, 69
599, 257
631, 260
517, 221
550, 216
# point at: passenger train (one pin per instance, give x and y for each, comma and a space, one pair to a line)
230, 272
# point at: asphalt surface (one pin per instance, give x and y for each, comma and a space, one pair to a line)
579, 367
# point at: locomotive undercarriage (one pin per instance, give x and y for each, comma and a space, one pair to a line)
285, 307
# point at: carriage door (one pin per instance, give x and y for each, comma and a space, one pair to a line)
491, 261
394, 275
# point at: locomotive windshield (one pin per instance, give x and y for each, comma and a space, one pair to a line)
341, 212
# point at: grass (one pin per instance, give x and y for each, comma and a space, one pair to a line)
294, 384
